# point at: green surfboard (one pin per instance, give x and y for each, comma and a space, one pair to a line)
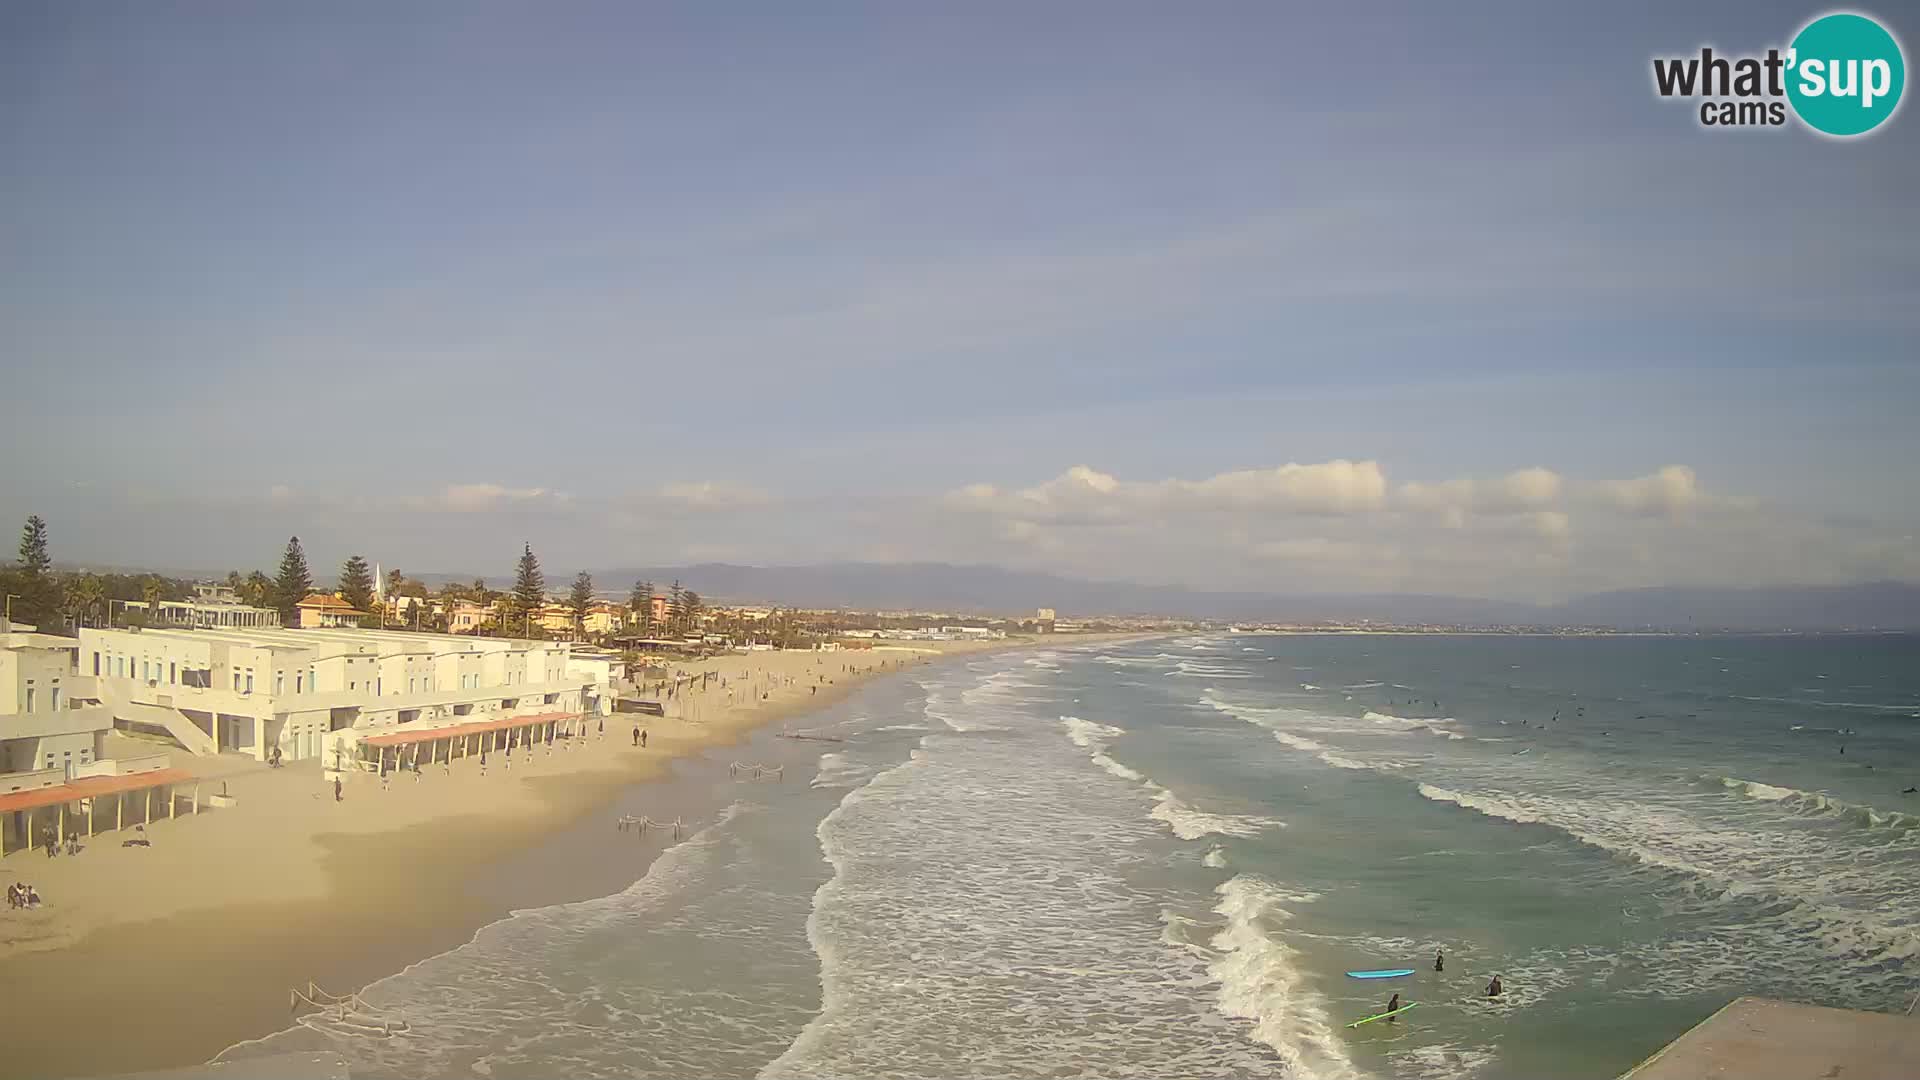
1384, 1015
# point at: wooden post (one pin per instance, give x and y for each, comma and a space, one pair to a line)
172, 796
120, 812
63, 821
196, 796
147, 814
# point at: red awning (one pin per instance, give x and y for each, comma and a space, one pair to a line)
90, 787
455, 731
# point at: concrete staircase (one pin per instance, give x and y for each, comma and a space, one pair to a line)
174, 722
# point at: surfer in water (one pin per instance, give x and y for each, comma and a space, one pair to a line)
1393, 1006
1494, 988
1439, 960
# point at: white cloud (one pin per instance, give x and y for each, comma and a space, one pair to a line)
474, 497
1517, 492
1673, 491
709, 495
1331, 487
1086, 495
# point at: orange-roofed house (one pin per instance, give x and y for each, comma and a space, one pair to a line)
326, 611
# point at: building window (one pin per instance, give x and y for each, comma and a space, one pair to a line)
249, 682
54, 699
96, 664
298, 678
30, 693
236, 680
279, 683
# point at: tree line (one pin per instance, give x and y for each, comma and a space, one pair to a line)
36, 593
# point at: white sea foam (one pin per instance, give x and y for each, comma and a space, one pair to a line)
1188, 823
1819, 802
1260, 981
835, 769
1443, 1062
1184, 820
1089, 735
1210, 671
1216, 858
995, 868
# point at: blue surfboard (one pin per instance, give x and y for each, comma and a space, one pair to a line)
1390, 973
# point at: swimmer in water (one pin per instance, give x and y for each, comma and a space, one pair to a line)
1494, 988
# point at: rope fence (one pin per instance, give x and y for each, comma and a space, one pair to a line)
642, 824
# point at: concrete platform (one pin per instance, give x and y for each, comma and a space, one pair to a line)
1757, 1039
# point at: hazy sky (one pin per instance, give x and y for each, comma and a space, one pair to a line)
1425, 297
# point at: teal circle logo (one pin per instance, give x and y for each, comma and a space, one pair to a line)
1845, 73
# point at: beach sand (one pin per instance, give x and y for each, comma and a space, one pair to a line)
151, 958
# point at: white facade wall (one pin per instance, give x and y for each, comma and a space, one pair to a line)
47, 716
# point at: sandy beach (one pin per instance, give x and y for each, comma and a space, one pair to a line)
193, 944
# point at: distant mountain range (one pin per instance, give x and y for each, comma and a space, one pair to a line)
992, 590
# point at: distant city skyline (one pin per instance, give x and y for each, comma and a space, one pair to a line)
1448, 302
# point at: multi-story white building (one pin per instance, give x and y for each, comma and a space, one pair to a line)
251, 691
49, 718
55, 777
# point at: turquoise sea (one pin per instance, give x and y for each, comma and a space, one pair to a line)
1159, 859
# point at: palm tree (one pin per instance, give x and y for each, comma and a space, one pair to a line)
82, 596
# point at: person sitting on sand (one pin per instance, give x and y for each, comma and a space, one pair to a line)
1494, 988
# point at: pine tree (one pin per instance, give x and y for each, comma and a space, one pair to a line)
642, 603
293, 584
676, 604
356, 583
529, 588
32, 581
690, 604
580, 599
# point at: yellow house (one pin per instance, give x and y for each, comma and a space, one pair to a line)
606, 619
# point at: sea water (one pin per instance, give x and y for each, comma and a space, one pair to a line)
1160, 859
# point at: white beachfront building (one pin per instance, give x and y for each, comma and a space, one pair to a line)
249, 691
49, 719
54, 772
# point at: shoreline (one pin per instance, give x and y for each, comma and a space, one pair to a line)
342, 895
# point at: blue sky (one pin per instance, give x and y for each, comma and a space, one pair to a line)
779, 283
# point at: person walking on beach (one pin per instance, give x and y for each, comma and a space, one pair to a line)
336, 789
1494, 988
636, 734
643, 738
1439, 960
